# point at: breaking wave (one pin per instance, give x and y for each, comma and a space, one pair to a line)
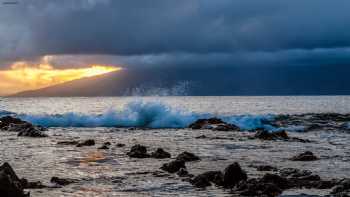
143, 114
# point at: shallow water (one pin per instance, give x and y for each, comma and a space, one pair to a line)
113, 173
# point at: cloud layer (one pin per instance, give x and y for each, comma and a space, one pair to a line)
178, 33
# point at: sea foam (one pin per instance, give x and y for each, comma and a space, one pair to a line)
144, 114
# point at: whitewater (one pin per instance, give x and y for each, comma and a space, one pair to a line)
248, 113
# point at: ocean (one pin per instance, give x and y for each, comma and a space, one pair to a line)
163, 112
162, 122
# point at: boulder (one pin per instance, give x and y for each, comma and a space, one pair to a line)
160, 154
187, 157
205, 179
266, 135
214, 124
88, 142
306, 156
233, 174
61, 181
173, 166
138, 151
10, 184
23, 128
254, 187
120, 145
277, 180
7, 120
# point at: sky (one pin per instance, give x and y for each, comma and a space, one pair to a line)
67, 35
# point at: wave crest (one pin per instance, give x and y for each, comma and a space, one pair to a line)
143, 114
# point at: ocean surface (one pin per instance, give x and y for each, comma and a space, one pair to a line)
105, 173
164, 112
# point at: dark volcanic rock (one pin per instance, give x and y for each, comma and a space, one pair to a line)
306, 156
7, 120
61, 181
105, 146
89, 142
214, 124
173, 166
28, 130
205, 179
255, 187
233, 174
138, 151
68, 142
277, 180
187, 156
266, 135
10, 184
182, 172
160, 154
120, 145
32, 185
23, 128
342, 188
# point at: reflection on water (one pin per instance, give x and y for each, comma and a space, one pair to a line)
112, 173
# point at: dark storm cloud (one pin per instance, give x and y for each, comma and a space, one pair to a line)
181, 32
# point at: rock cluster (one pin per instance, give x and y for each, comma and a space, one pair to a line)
140, 151
23, 128
179, 162
232, 175
215, 124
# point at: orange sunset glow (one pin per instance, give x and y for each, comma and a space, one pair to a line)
23, 76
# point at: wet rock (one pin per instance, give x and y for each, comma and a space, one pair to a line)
306, 156
255, 187
182, 172
138, 151
10, 184
173, 166
342, 188
305, 179
160, 154
30, 131
205, 179
200, 181
233, 174
32, 185
88, 142
23, 128
277, 180
187, 157
68, 142
266, 135
105, 146
61, 181
7, 120
120, 145
214, 124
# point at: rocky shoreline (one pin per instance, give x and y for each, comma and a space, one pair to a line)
234, 179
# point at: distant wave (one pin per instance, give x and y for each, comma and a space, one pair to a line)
143, 114
6, 113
